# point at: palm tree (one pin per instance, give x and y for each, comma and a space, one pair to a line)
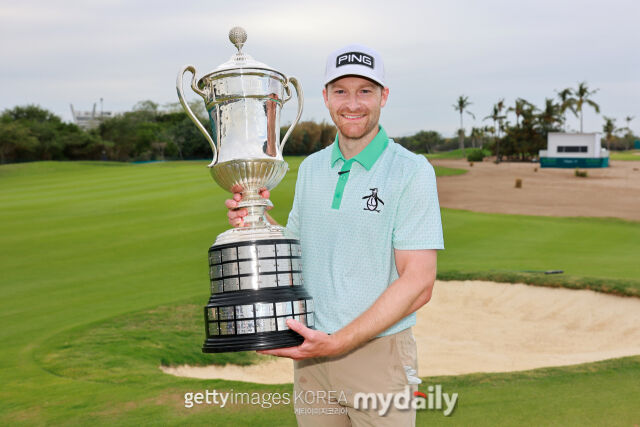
477, 134
551, 115
582, 96
493, 116
500, 106
629, 135
498, 118
522, 106
461, 107
609, 128
567, 102
628, 119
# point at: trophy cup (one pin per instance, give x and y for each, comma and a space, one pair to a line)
255, 270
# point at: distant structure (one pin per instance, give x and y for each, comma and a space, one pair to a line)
574, 150
90, 119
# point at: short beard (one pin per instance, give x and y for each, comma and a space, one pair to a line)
374, 125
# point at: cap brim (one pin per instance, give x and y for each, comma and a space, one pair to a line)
332, 79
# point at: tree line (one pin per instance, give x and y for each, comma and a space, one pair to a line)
31, 133
523, 139
148, 132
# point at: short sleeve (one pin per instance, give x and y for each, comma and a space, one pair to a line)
418, 224
293, 222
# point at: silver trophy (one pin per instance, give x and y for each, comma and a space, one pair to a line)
255, 270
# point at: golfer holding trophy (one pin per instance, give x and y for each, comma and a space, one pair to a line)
367, 217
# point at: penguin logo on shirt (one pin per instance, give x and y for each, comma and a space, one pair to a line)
373, 200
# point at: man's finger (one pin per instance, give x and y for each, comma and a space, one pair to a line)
237, 196
299, 327
291, 352
231, 204
264, 193
240, 213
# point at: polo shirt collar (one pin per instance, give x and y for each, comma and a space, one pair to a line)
368, 156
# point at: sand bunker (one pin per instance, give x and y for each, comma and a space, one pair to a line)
475, 326
487, 187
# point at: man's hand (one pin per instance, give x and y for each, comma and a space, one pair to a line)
316, 344
412, 290
236, 216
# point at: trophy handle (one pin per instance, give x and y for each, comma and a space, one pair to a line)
296, 85
186, 107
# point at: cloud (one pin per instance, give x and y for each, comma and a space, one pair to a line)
125, 51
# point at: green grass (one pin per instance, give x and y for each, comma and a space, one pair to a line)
453, 154
104, 274
602, 393
443, 171
632, 155
606, 390
593, 253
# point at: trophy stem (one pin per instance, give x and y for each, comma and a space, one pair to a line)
256, 207
255, 217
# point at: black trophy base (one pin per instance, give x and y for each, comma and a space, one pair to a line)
262, 341
256, 287
256, 319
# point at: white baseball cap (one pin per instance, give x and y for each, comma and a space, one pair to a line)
355, 60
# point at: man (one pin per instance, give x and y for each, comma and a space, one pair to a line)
367, 215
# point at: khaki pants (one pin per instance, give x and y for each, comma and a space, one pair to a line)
325, 388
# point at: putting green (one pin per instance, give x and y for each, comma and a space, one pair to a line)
87, 243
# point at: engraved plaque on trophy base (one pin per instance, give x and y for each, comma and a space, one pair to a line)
255, 287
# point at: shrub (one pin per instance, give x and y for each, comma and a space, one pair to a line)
475, 155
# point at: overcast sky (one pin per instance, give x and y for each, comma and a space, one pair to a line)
54, 53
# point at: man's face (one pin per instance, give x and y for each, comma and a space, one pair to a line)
354, 104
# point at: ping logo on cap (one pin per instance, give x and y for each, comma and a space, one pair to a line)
357, 58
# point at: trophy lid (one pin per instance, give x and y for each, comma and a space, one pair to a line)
238, 36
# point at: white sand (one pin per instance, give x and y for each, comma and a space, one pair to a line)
475, 326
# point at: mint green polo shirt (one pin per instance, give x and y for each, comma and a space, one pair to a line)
350, 215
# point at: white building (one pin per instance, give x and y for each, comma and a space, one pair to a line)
574, 150
90, 119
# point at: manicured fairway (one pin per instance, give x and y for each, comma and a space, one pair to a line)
88, 248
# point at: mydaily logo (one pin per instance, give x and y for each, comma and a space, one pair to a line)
404, 400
